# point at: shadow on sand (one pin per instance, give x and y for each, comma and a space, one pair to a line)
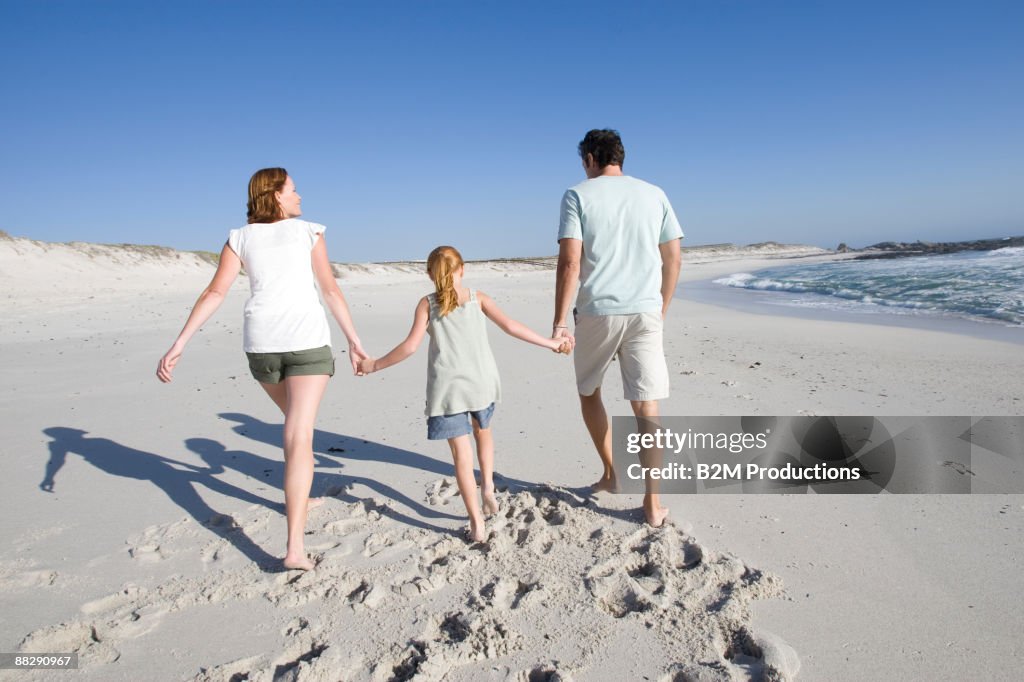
177, 480
355, 449
348, 448
332, 485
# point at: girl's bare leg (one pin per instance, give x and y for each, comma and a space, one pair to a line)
462, 454
302, 395
485, 454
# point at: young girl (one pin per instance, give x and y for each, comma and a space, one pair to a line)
462, 378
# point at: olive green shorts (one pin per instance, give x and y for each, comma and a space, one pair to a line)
271, 368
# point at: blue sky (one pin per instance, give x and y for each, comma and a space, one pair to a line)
411, 124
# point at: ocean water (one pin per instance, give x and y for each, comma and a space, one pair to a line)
986, 286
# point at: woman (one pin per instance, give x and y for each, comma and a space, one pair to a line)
286, 336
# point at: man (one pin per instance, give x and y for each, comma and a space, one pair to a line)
619, 239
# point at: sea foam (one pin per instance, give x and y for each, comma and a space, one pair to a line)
986, 286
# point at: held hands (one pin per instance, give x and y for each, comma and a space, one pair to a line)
565, 341
356, 355
563, 346
367, 365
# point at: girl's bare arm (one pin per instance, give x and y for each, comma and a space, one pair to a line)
407, 347
518, 329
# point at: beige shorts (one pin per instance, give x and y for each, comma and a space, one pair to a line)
637, 342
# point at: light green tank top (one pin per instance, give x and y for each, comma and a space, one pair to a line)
461, 373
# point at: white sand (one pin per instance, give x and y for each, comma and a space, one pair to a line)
146, 555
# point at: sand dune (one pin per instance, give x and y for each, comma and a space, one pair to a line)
128, 264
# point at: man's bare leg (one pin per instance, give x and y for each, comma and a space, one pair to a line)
485, 455
653, 511
596, 419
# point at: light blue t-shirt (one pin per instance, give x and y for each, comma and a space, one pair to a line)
621, 221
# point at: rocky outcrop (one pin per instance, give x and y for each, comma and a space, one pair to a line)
921, 248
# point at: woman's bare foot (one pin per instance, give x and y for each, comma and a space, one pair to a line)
314, 502
299, 562
490, 503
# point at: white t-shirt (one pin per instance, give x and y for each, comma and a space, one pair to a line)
621, 220
283, 312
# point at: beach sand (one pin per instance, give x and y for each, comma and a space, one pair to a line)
152, 551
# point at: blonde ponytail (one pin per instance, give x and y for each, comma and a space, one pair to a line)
442, 263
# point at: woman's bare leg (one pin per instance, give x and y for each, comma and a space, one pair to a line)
302, 395
279, 394
462, 454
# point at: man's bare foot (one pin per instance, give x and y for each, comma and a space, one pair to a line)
490, 503
605, 484
476, 531
299, 562
657, 517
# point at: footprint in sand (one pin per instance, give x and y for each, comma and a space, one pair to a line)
366, 596
147, 554
441, 492
482, 607
213, 551
78, 637
343, 526
443, 563
508, 594
28, 580
129, 595
462, 638
375, 543
154, 544
645, 573
456, 639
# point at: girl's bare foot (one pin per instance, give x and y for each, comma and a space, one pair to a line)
656, 518
299, 562
490, 503
476, 531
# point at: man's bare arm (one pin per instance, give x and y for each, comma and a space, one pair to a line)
570, 251
671, 261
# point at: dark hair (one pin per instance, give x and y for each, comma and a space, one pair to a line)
263, 205
606, 147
